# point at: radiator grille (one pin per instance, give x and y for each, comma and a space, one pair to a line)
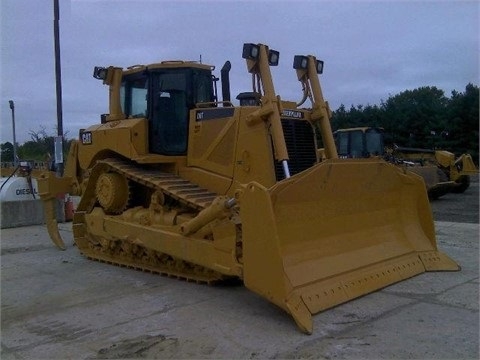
299, 138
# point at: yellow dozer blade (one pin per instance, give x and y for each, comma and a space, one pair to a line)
341, 229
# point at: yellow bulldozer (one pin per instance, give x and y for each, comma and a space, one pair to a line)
442, 172
175, 181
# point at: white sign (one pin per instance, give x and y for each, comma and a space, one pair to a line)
58, 150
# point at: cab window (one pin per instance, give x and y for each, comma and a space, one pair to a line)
203, 87
356, 144
374, 142
133, 96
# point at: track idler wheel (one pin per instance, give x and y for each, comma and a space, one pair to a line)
112, 192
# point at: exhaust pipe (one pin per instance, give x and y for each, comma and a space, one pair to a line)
224, 74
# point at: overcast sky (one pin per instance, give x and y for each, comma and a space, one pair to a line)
371, 49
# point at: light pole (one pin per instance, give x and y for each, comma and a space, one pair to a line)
12, 107
58, 82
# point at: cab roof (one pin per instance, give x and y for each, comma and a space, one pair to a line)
171, 64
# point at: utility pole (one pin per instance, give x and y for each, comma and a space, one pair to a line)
15, 159
58, 77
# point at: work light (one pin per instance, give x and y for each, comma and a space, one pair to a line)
300, 62
273, 57
100, 73
250, 51
319, 67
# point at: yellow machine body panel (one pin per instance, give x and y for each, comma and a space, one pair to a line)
128, 138
175, 182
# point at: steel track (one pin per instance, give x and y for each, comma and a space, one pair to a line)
123, 253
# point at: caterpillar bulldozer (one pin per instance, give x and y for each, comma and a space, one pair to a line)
441, 171
455, 171
175, 181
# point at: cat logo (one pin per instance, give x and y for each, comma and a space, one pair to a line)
86, 138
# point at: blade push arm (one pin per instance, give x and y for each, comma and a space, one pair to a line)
259, 58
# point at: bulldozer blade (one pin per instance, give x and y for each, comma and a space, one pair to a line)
466, 165
337, 231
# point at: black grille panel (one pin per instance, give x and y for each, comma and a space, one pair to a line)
300, 142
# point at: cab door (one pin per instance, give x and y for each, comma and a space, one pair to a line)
168, 128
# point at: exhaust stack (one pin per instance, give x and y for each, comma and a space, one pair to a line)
224, 73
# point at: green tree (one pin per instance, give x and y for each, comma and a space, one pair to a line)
6, 152
414, 116
357, 116
38, 148
41, 146
340, 118
462, 125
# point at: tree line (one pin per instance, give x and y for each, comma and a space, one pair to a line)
40, 147
422, 118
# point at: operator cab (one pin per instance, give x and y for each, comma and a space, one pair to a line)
359, 142
164, 94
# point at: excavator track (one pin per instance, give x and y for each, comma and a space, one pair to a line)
124, 252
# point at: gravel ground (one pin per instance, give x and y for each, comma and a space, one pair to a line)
60, 305
458, 207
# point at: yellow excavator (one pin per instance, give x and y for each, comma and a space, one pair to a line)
175, 181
